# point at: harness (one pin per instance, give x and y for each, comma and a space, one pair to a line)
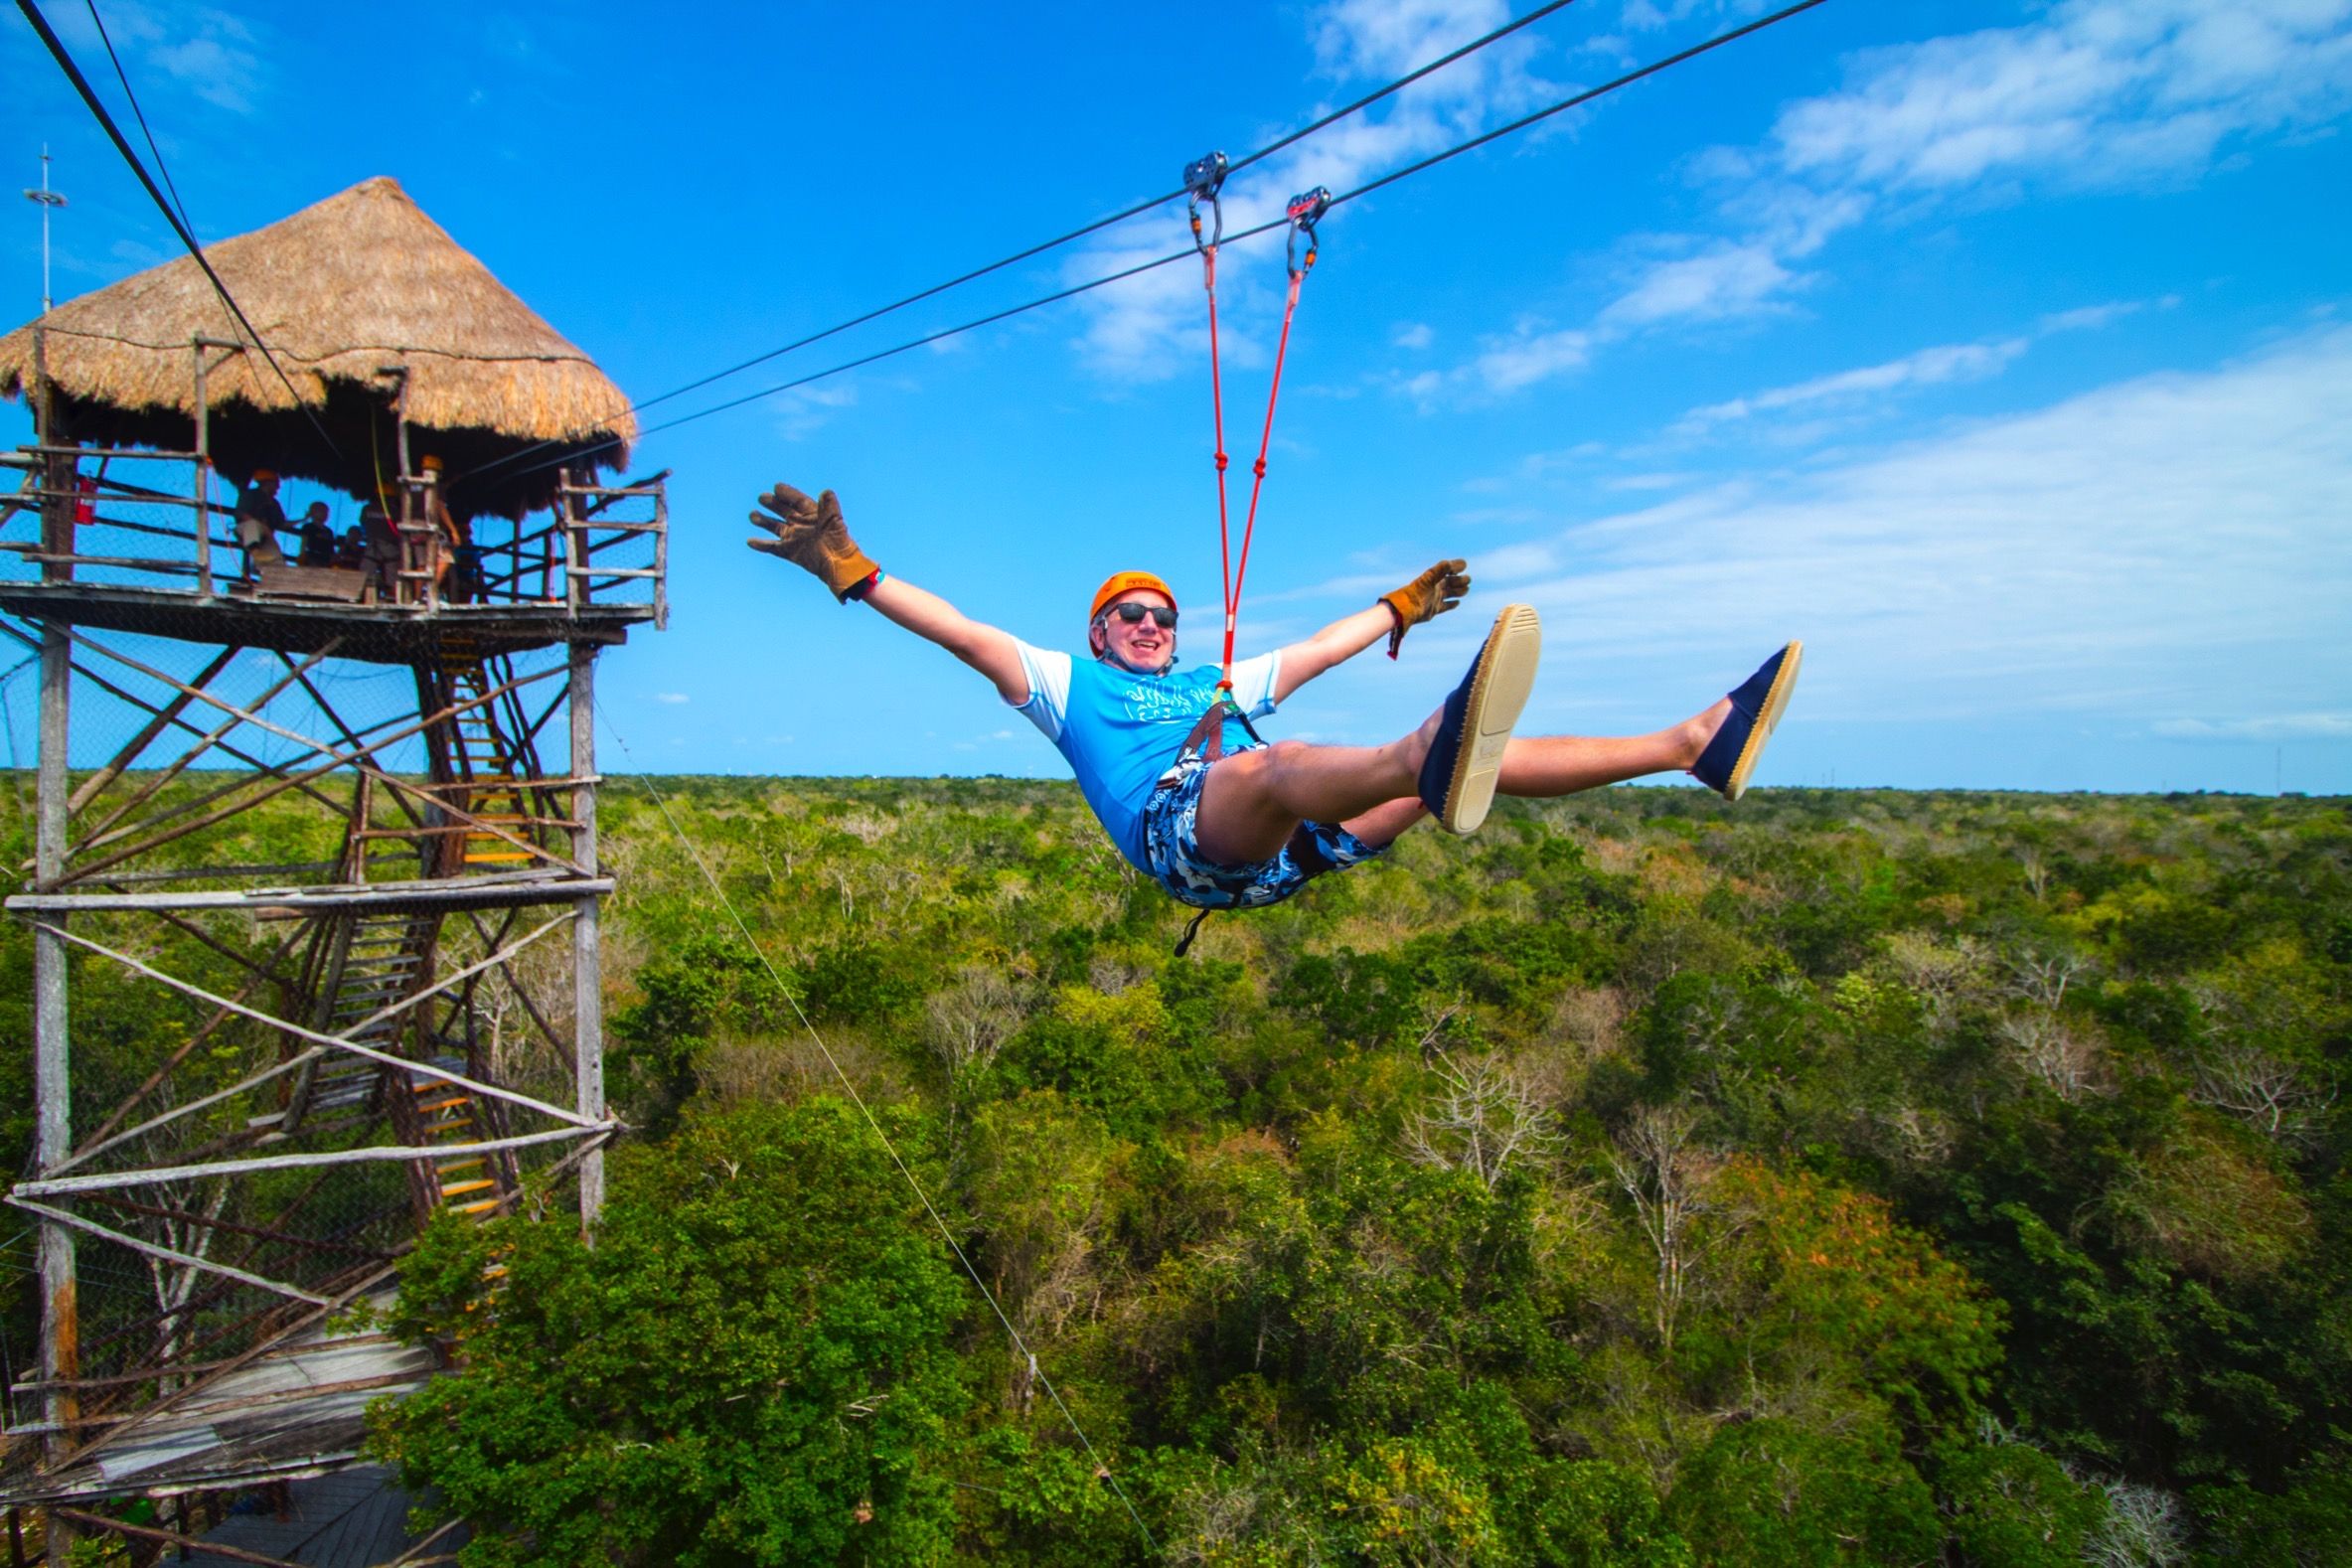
1207, 740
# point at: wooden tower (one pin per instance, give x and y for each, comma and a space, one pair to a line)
314, 880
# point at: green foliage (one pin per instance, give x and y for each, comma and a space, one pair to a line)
1773, 1494
1846, 1177
752, 1366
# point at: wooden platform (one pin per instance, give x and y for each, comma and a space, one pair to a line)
375, 632
299, 1409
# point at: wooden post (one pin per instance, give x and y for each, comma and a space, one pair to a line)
53, 1097
58, 473
204, 469
661, 558
575, 553
587, 965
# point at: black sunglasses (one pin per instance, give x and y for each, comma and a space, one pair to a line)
1132, 614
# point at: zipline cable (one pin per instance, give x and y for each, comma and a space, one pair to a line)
105, 121
693, 853
145, 130
1136, 211
1575, 101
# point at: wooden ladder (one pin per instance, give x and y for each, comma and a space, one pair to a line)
482, 756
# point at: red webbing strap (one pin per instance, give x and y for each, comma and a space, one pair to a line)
1216, 392
1249, 527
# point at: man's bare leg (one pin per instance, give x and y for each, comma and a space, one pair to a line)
1540, 767
1255, 800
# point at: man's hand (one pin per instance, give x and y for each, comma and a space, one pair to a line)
1431, 594
812, 536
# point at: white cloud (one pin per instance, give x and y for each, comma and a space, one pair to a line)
803, 410
2098, 93
2090, 93
1650, 15
1726, 280
674, 698
1416, 334
1145, 328
1531, 357
210, 52
2261, 726
2167, 547
1951, 362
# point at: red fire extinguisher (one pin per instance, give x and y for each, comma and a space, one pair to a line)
86, 499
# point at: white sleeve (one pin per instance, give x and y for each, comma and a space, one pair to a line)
1254, 680
1048, 675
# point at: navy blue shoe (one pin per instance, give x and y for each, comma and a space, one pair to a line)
1756, 705
1464, 762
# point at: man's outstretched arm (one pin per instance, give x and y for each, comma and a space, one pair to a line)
977, 644
811, 534
1433, 593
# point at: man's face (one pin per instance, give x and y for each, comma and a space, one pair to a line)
318, 511
1146, 644
268, 483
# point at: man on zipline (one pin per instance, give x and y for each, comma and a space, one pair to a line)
1241, 828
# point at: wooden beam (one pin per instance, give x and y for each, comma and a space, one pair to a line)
336, 759
149, 1532
91, 1150
155, 1249
155, 1079
99, 834
378, 1154
98, 782
455, 1079
543, 886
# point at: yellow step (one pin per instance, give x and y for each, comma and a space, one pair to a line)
457, 1188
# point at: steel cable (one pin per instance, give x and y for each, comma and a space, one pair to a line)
105, 122
1574, 100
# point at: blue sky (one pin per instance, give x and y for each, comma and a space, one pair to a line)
1999, 351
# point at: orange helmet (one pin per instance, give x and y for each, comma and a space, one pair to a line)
1119, 583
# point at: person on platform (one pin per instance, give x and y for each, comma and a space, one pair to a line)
1180, 781
455, 537
259, 520
380, 553
318, 538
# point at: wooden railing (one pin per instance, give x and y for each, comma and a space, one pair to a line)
79, 514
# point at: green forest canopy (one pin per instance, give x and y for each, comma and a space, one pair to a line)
1844, 1176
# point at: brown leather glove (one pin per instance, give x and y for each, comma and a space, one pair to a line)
811, 534
1433, 593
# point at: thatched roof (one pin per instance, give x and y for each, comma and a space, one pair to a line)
361, 283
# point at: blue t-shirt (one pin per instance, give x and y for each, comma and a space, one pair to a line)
1121, 732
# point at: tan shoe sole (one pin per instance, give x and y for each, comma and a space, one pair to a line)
1783, 683
1497, 694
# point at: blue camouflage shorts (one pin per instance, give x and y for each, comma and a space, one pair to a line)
1175, 860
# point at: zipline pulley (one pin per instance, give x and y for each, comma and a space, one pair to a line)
1205, 181
1305, 212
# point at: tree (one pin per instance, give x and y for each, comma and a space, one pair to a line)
749, 1366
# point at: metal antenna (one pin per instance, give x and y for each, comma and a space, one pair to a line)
49, 200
